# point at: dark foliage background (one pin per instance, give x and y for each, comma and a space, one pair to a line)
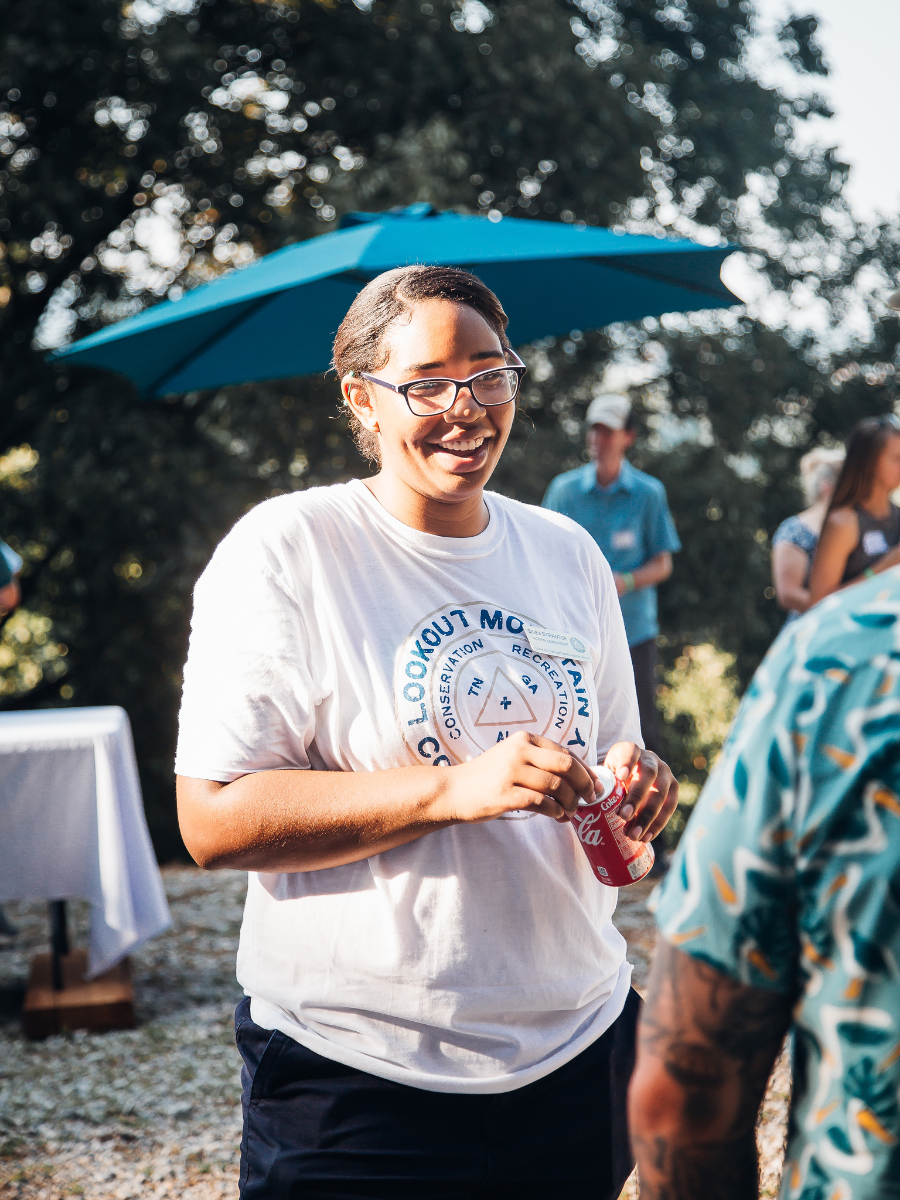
246, 124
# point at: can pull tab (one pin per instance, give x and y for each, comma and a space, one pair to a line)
605, 786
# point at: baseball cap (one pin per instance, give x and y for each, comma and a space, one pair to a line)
610, 409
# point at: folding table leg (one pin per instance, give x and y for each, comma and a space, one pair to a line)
59, 941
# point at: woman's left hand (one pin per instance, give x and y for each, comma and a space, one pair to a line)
652, 790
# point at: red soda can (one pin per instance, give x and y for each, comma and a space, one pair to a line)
615, 859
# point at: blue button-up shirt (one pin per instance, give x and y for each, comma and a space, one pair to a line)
630, 522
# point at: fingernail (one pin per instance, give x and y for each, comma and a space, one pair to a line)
648, 837
626, 811
635, 834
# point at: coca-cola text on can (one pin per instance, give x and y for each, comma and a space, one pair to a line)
615, 859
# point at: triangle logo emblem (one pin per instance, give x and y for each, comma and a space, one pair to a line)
505, 704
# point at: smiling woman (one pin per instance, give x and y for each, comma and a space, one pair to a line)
360, 348
433, 980
448, 454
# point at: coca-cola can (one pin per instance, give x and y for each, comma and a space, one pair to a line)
615, 859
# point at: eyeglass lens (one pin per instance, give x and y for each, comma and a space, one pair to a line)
428, 396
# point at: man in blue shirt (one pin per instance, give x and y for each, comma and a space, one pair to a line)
626, 513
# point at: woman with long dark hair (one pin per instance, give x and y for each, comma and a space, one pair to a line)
438, 1004
794, 541
861, 532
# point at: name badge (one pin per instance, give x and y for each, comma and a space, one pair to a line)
561, 645
874, 542
624, 539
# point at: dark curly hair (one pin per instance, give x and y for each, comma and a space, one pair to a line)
359, 342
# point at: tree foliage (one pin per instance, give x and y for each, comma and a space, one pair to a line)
146, 147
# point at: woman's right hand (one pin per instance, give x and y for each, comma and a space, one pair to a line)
524, 772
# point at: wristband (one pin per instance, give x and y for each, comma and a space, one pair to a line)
629, 581
868, 573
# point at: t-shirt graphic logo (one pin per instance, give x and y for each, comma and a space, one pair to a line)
466, 678
504, 704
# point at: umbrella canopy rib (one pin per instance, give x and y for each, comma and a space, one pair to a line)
631, 268
155, 388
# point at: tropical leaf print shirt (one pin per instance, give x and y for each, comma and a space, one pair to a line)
788, 878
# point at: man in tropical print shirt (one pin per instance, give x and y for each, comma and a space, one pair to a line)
782, 910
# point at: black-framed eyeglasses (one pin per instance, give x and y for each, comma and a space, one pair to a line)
431, 397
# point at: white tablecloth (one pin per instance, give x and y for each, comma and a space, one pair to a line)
72, 825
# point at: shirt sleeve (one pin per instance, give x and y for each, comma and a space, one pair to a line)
728, 898
793, 532
248, 702
553, 497
660, 532
783, 534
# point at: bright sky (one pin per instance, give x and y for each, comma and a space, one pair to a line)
861, 40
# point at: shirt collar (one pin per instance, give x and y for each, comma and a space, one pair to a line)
624, 482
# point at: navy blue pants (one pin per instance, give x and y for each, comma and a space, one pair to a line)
315, 1129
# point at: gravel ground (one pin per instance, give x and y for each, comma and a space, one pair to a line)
151, 1112
155, 1112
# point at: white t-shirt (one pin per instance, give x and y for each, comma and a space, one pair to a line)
327, 635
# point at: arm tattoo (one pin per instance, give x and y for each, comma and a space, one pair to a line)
707, 1045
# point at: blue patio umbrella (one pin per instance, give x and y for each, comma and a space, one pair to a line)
277, 318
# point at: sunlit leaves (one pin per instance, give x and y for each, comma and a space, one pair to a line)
129, 119
798, 37
16, 467
29, 654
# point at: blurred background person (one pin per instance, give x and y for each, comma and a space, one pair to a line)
861, 531
10, 597
627, 514
10, 592
781, 911
794, 543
